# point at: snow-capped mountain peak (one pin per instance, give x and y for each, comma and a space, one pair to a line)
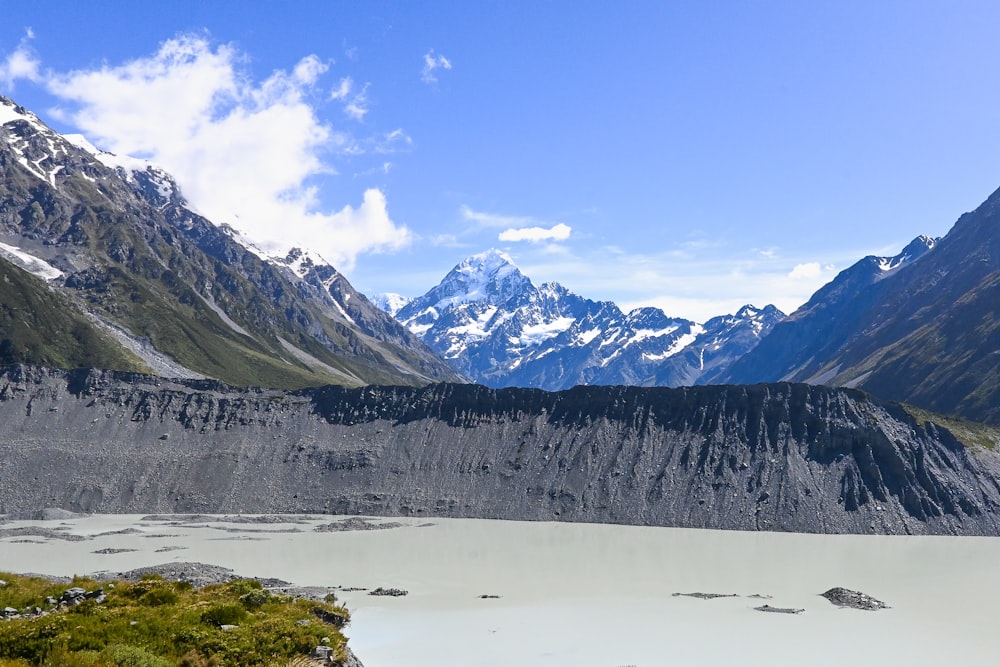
489, 277
493, 324
491, 262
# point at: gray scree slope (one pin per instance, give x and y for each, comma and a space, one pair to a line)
764, 457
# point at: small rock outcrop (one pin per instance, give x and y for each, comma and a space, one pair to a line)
844, 597
388, 592
778, 610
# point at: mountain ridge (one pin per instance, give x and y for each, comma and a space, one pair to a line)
137, 261
925, 332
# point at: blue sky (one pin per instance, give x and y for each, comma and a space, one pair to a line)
692, 156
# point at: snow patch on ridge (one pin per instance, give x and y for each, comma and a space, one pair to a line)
33, 265
678, 345
537, 333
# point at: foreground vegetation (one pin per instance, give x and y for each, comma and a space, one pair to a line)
158, 623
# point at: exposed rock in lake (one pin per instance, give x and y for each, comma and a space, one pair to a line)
37, 531
388, 592
356, 523
764, 457
778, 610
843, 597
239, 518
706, 596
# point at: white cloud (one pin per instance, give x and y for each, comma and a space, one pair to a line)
358, 106
697, 288
558, 232
309, 69
432, 63
808, 271
492, 219
21, 63
244, 153
343, 89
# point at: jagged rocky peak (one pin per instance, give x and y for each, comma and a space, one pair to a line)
759, 318
301, 261
914, 250
12, 111
650, 317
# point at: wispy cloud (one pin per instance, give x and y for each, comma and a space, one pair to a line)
22, 63
558, 232
244, 152
493, 219
433, 63
682, 285
343, 89
517, 227
355, 101
357, 107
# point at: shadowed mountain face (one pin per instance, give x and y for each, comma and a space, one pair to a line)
120, 272
766, 457
925, 332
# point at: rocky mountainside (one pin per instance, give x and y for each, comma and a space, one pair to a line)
105, 264
495, 326
775, 457
922, 327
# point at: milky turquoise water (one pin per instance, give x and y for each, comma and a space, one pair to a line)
587, 594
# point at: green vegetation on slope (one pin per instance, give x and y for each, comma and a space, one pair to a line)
157, 623
969, 433
40, 326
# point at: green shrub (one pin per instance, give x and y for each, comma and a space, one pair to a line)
123, 655
224, 614
254, 599
243, 586
159, 596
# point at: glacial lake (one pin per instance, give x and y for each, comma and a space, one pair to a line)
578, 595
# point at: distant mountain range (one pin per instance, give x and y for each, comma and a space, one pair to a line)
494, 325
102, 263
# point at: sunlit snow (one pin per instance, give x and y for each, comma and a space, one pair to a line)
29, 263
678, 345
536, 333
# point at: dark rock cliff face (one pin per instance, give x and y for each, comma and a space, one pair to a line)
764, 457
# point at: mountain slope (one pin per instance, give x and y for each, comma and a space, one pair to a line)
495, 326
798, 347
38, 325
175, 288
764, 457
927, 333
